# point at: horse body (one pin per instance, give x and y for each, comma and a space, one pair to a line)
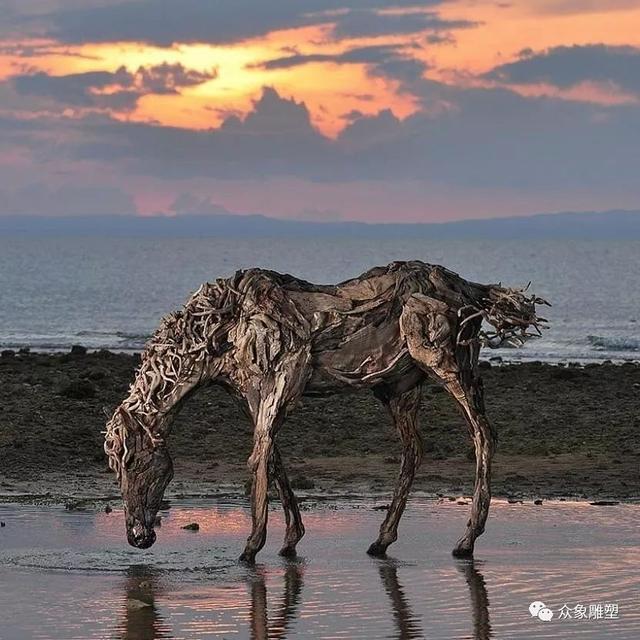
271, 338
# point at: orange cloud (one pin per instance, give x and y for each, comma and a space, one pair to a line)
332, 90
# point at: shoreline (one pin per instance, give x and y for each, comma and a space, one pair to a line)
496, 357
564, 432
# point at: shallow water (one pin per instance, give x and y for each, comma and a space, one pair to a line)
70, 574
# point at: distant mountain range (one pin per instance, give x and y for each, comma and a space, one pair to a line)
605, 224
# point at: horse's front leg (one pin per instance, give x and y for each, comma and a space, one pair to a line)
268, 398
404, 413
293, 519
259, 466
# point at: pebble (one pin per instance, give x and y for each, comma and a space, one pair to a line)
194, 526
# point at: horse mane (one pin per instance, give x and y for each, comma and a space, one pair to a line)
183, 339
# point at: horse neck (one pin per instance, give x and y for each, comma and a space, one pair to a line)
161, 385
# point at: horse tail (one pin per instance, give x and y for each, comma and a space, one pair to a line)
511, 312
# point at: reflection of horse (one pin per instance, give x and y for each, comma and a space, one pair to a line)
145, 623
479, 600
275, 629
270, 338
141, 618
407, 624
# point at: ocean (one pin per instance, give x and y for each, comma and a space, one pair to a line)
110, 293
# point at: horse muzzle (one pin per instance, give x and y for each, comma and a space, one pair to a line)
141, 537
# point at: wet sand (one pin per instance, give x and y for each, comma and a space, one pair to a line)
563, 431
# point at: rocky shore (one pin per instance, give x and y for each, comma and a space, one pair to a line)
563, 431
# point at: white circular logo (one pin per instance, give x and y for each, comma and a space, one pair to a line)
540, 610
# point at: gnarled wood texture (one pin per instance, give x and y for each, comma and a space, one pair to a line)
270, 338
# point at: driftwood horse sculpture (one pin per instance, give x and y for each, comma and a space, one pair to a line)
270, 338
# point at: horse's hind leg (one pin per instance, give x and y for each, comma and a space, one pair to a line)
444, 343
404, 413
293, 519
470, 399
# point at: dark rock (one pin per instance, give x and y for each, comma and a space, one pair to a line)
484, 364
78, 350
23, 351
194, 526
78, 390
381, 507
604, 503
2, 524
108, 509
96, 374
537, 502
7, 353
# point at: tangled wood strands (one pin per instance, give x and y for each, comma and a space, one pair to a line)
511, 313
183, 340
263, 315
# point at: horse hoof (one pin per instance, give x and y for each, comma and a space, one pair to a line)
247, 558
377, 550
288, 552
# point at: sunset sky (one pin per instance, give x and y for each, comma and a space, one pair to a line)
369, 110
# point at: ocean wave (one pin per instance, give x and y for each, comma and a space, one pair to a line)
601, 343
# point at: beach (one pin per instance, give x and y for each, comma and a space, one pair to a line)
564, 431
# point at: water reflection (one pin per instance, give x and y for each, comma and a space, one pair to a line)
406, 623
479, 600
261, 627
142, 620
